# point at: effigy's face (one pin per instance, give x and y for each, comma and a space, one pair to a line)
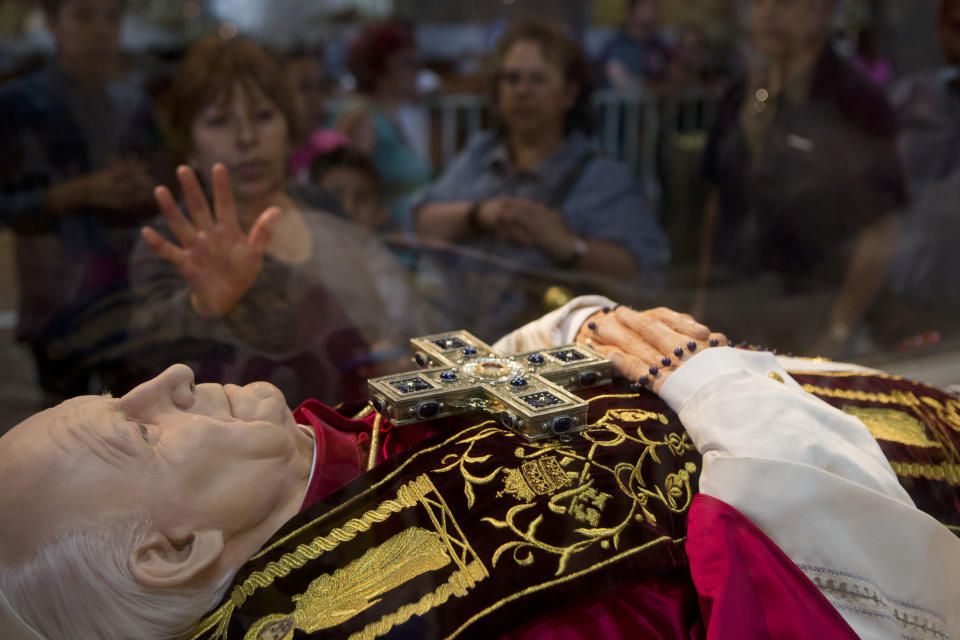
189, 455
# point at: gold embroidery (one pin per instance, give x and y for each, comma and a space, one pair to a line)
374, 442
363, 413
544, 475
516, 486
584, 503
457, 585
892, 425
418, 492
572, 494
773, 375
545, 585
851, 394
943, 472
948, 412
334, 598
588, 506
372, 488
461, 461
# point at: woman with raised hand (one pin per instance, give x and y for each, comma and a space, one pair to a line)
260, 285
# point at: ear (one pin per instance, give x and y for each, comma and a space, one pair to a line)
162, 562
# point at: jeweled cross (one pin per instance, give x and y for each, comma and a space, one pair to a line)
527, 392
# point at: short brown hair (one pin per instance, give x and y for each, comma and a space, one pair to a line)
210, 71
565, 53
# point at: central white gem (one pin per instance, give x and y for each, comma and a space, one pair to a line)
492, 369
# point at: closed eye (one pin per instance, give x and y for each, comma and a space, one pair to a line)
142, 428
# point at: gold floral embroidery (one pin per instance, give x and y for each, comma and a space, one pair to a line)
454, 461
892, 425
582, 501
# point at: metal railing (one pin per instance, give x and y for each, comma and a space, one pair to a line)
630, 126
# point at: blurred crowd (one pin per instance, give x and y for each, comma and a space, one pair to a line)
256, 217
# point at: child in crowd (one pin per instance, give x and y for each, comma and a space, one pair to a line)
350, 175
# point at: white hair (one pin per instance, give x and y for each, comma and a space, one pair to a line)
81, 587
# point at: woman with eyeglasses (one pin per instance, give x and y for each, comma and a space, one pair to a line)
535, 191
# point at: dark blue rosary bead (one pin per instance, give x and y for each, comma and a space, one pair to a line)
665, 361
654, 370
678, 352
592, 325
714, 342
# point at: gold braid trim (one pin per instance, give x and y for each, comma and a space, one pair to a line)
407, 496
853, 394
943, 472
457, 585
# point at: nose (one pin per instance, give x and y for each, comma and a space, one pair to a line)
245, 132
173, 386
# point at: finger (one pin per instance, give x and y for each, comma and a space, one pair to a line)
629, 366
609, 331
681, 322
650, 330
171, 212
263, 228
716, 339
163, 247
223, 203
195, 198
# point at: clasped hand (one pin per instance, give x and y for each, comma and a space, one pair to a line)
218, 260
639, 341
526, 222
